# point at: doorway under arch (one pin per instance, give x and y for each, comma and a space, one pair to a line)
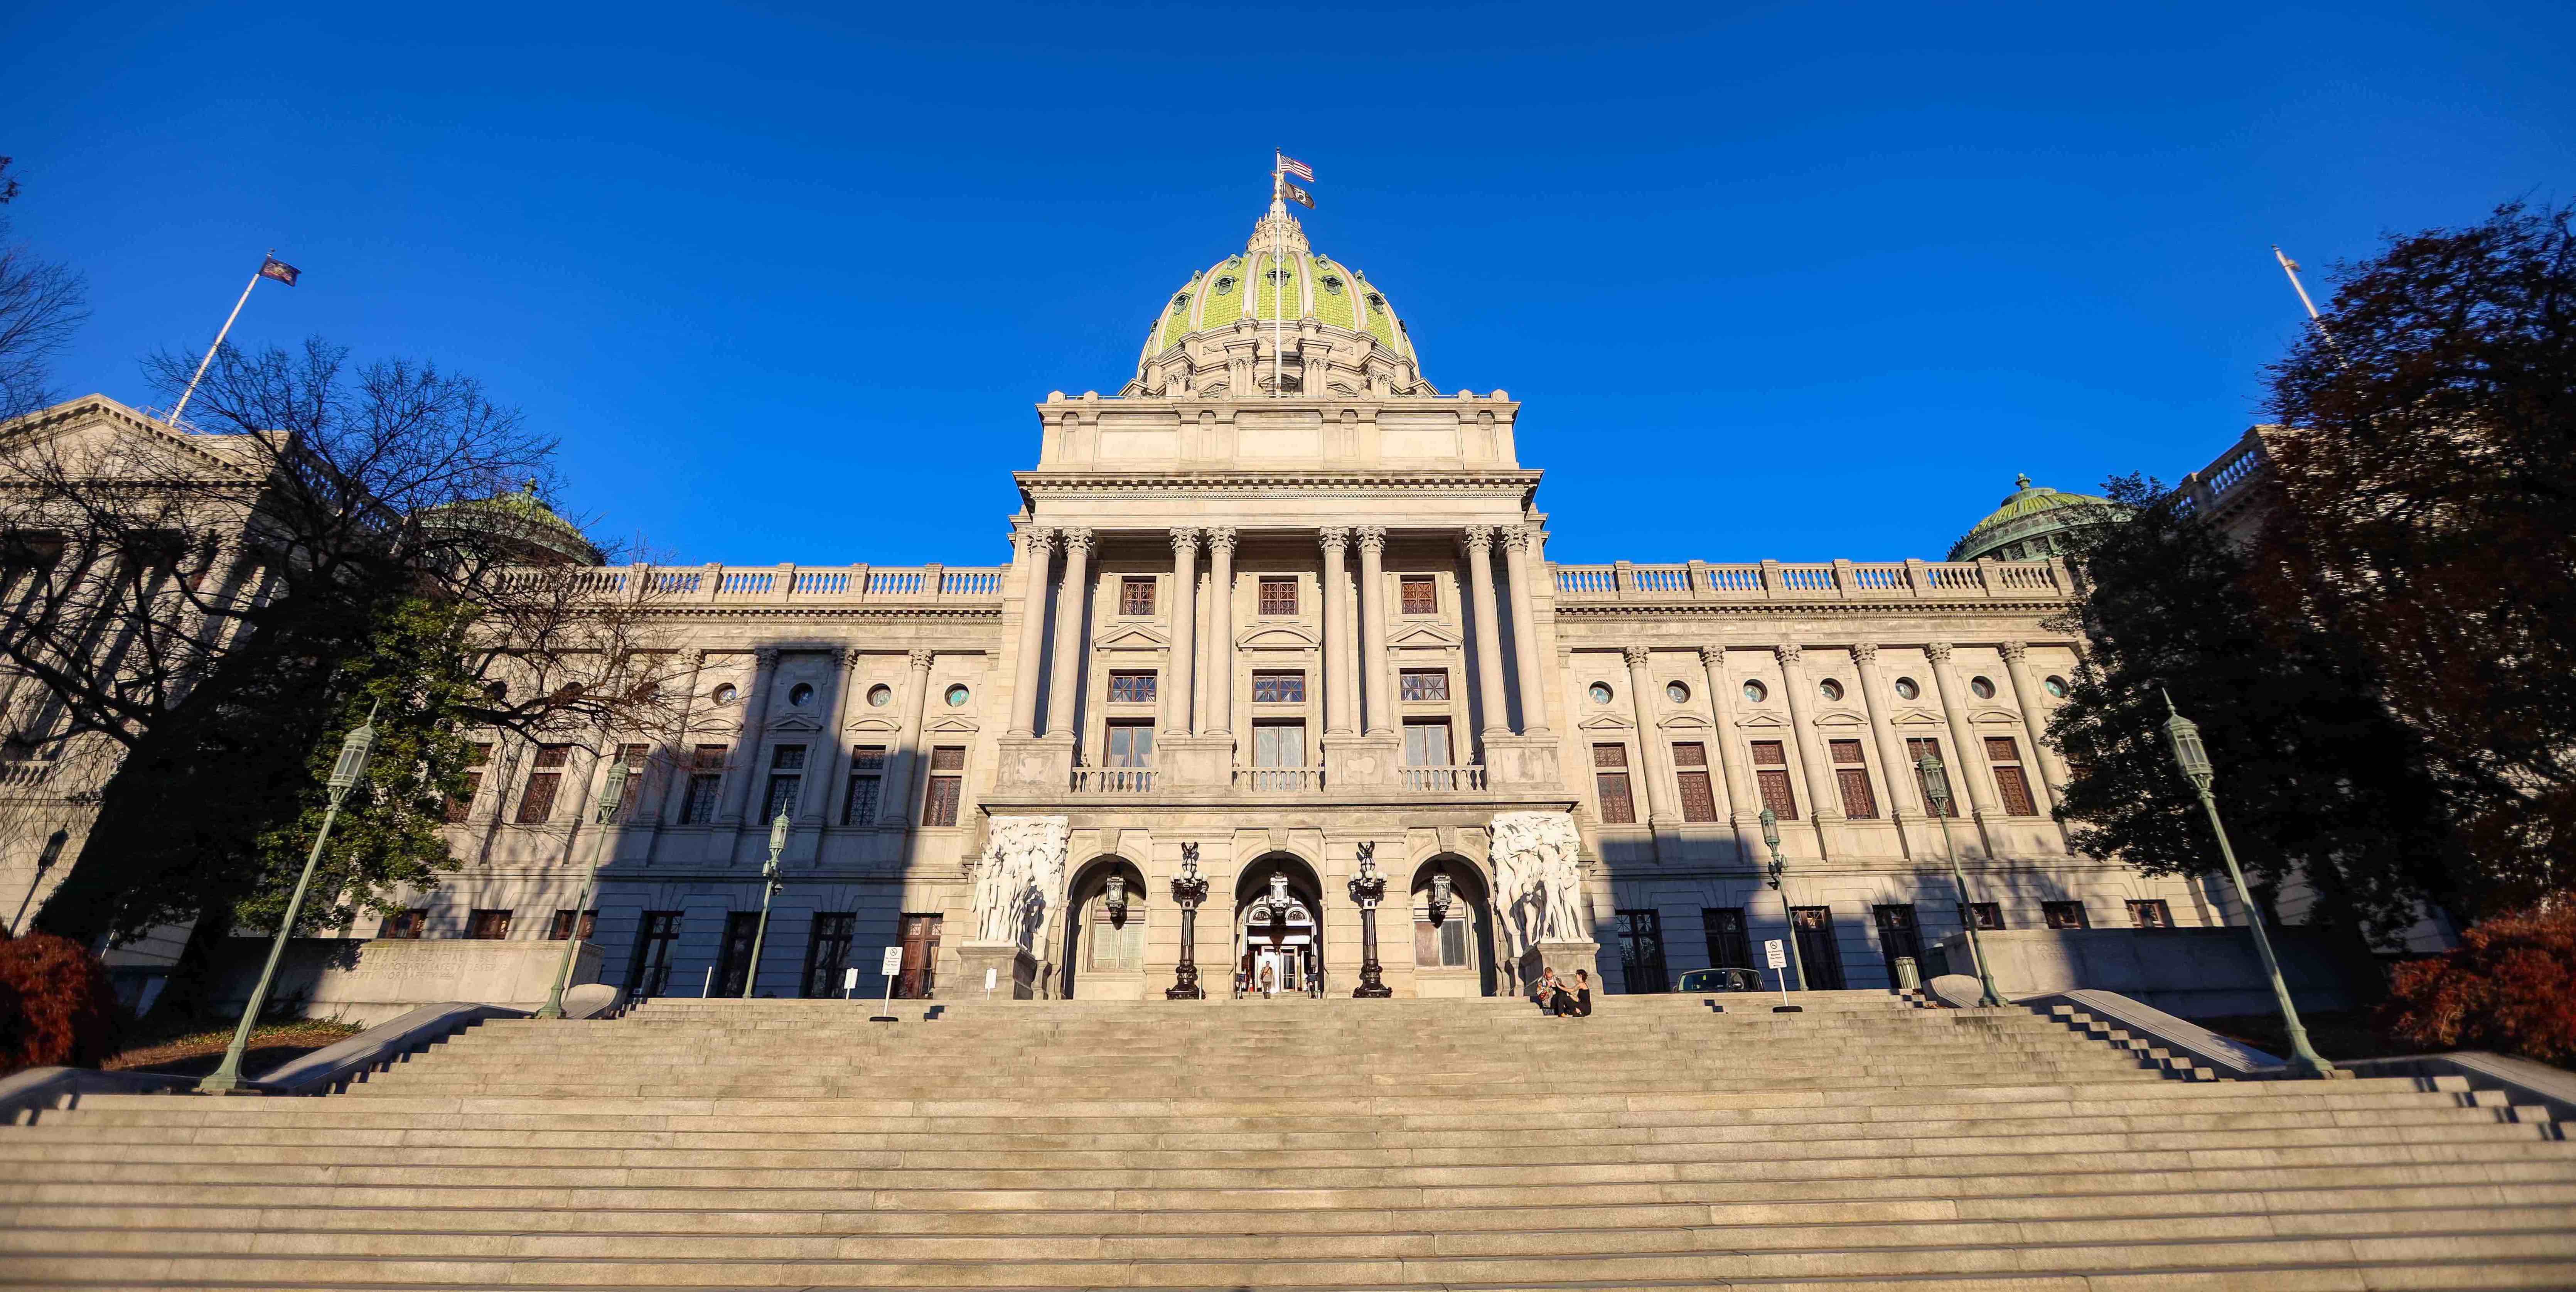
1453, 929
1104, 940
1279, 926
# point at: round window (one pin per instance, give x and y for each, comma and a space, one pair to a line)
880, 695
2056, 686
1907, 690
957, 695
1756, 692
1981, 688
1676, 692
800, 695
1830, 689
725, 694
1600, 693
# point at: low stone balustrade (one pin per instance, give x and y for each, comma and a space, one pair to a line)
1113, 780
1814, 581
1435, 780
1278, 780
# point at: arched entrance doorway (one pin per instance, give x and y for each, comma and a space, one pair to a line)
1104, 931
1279, 927
1453, 929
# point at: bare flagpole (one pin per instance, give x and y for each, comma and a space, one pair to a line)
2291, 267
220, 334
1278, 264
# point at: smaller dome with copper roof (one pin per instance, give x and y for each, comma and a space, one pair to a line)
2032, 522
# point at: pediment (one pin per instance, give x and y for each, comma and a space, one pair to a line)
1839, 718
952, 723
1766, 720
1605, 722
795, 722
876, 724
1424, 634
1277, 637
1994, 718
1131, 637
108, 439
1915, 718
1684, 722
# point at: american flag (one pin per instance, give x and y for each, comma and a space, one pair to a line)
1295, 167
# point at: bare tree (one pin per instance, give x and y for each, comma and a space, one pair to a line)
41, 305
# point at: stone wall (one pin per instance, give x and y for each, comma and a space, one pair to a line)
368, 980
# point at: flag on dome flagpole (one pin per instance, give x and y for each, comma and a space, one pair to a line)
272, 267
1297, 195
1295, 167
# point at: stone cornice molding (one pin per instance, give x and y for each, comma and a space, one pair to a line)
1369, 538
1300, 482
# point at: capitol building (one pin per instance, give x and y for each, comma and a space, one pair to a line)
1279, 668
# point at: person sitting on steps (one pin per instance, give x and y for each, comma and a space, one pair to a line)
1583, 993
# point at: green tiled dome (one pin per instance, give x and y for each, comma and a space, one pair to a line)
521, 521
1277, 278
2029, 524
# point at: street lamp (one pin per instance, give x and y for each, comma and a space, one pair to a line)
1771, 840
44, 861
769, 889
227, 1077
1189, 888
2193, 757
609, 796
1936, 791
1368, 888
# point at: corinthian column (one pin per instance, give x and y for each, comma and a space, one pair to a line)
1650, 739
1072, 610
1820, 777
1902, 792
746, 750
1965, 757
1517, 543
1740, 799
2026, 697
1037, 550
1183, 600
1489, 632
1337, 632
1372, 544
1220, 678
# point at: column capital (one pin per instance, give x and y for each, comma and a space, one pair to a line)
1478, 538
1220, 540
1939, 652
920, 660
847, 657
1036, 541
1712, 656
1515, 538
1864, 653
1635, 655
1788, 655
1334, 537
1185, 541
764, 658
1076, 540
1371, 538
2016, 652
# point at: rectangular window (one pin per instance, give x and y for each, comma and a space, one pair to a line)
827, 953
2065, 915
1729, 943
1278, 687
733, 966
477, 757
706, 784
404, 924
1136, 596
867, 781
1115, 944
2003, 749
2014, 788
560, 927
786, 782
1421, 595
650, 970
1820, 953
488, 926
1278, 744
1131, 744
2152, 913
1641, 951
1915, 748
1699, 800
537, 801
1131, 688
1771, 777
1442, 945
1610, 783
1423, 684
637, 759
1990, 915
1278, 596
1851, 778
1426, 744
947, 785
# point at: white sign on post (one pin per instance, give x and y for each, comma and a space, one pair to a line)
892, 964
850, 979
991, 976
1774, 955
1778, 960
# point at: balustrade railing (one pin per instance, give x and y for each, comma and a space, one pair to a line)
1113, 780
1810, 581
734, 583
1278, 780
1443, 780
25, 774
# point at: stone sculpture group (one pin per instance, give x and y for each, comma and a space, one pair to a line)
1538, 881
1019, 877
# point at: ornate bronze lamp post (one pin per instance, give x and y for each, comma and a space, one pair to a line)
1368, 888
2193, 757
610, 795
768, 890
1771, 840
1936, 791
1189, 888
353, 764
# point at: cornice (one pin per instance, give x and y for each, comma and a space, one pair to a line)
1204, 482
1636, 610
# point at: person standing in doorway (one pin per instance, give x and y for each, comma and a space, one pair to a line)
1269, 981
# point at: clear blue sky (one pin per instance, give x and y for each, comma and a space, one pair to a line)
1772, 280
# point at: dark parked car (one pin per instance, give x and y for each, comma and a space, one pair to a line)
1729, 979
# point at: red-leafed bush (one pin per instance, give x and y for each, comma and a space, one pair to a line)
2510, 987
56, 1006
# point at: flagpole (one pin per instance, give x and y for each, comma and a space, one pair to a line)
2291, 268
220, 334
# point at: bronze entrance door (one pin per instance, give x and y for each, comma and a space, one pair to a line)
919, 976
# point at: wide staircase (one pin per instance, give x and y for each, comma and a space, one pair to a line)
1296, 1143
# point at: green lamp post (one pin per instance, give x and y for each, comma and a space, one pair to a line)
610, 795
768, 889
2193, 758
1936, 792
227, 1077
1771, 840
